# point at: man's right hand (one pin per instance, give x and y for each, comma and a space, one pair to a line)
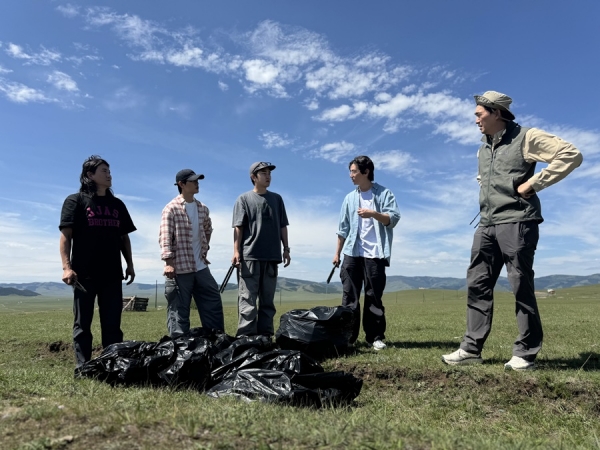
169, 271
336, 260
235, 261
69, 276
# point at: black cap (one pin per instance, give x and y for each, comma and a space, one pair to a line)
187, 175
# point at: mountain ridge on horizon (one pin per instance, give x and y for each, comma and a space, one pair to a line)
394, 283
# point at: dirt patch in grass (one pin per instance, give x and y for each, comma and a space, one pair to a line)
61, 350
70, 433
512, 386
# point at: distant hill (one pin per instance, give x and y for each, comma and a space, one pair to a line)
4, 291
394, 283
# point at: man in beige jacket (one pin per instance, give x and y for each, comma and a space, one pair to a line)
508, 229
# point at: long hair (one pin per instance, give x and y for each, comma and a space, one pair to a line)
91, 165
363, 163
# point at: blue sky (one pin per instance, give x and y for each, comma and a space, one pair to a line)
154, 87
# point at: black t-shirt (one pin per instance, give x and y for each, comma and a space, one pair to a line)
98, 222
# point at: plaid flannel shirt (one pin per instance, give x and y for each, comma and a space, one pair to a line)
175, 237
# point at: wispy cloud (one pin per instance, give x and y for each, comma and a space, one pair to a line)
124, 98
334, 151
272, 139
44, 58
20, 93
394, 161
62, 81
68, 10
3, 70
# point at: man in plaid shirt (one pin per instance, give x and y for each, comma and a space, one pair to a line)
185, 230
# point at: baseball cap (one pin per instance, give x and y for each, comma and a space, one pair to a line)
259, 166
187, 175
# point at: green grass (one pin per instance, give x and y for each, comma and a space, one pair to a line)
409, 398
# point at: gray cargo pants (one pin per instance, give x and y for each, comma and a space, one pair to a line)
513, 245
258, 281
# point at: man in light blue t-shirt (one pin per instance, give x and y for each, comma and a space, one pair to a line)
368, 215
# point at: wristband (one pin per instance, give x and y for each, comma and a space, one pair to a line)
286, 249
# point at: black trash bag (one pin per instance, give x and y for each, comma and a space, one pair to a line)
280, 387
239, 346
289, 361
320, 332
207, 333
328, 388
130, 362
255, 384
192, 365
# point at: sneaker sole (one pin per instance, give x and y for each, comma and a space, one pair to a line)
519, 369
463, 362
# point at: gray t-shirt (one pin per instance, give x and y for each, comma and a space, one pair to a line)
261, 216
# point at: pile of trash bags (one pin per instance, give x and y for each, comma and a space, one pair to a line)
249, 367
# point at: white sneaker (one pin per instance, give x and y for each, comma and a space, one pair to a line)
379, 345
520, 364
461, 357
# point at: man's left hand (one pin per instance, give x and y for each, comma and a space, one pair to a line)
366, 213
287, 259
129, 273
525, 190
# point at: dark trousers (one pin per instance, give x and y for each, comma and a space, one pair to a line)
110, 305
200, 285
513, 245
355, 272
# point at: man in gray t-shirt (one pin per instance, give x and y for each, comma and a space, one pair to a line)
260, 228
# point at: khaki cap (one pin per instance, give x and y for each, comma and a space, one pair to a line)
495, 100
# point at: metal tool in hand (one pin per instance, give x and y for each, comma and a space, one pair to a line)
226, 280
335, 266
77, 285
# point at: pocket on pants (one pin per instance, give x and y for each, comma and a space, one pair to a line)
171, 290
247, 269
273, 270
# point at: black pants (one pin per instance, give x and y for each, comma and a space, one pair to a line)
512, 245
110, 305
355, 272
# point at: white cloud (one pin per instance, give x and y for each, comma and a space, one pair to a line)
124, 98
272, 139
223, 86
3, 70
68, 10
334, 152
337, 114
393, 161
62, 81
20, 93
260, 72
44, 58
311, 104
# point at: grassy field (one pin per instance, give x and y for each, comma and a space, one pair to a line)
410, 399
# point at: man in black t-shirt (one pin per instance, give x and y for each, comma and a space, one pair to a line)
94, 227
